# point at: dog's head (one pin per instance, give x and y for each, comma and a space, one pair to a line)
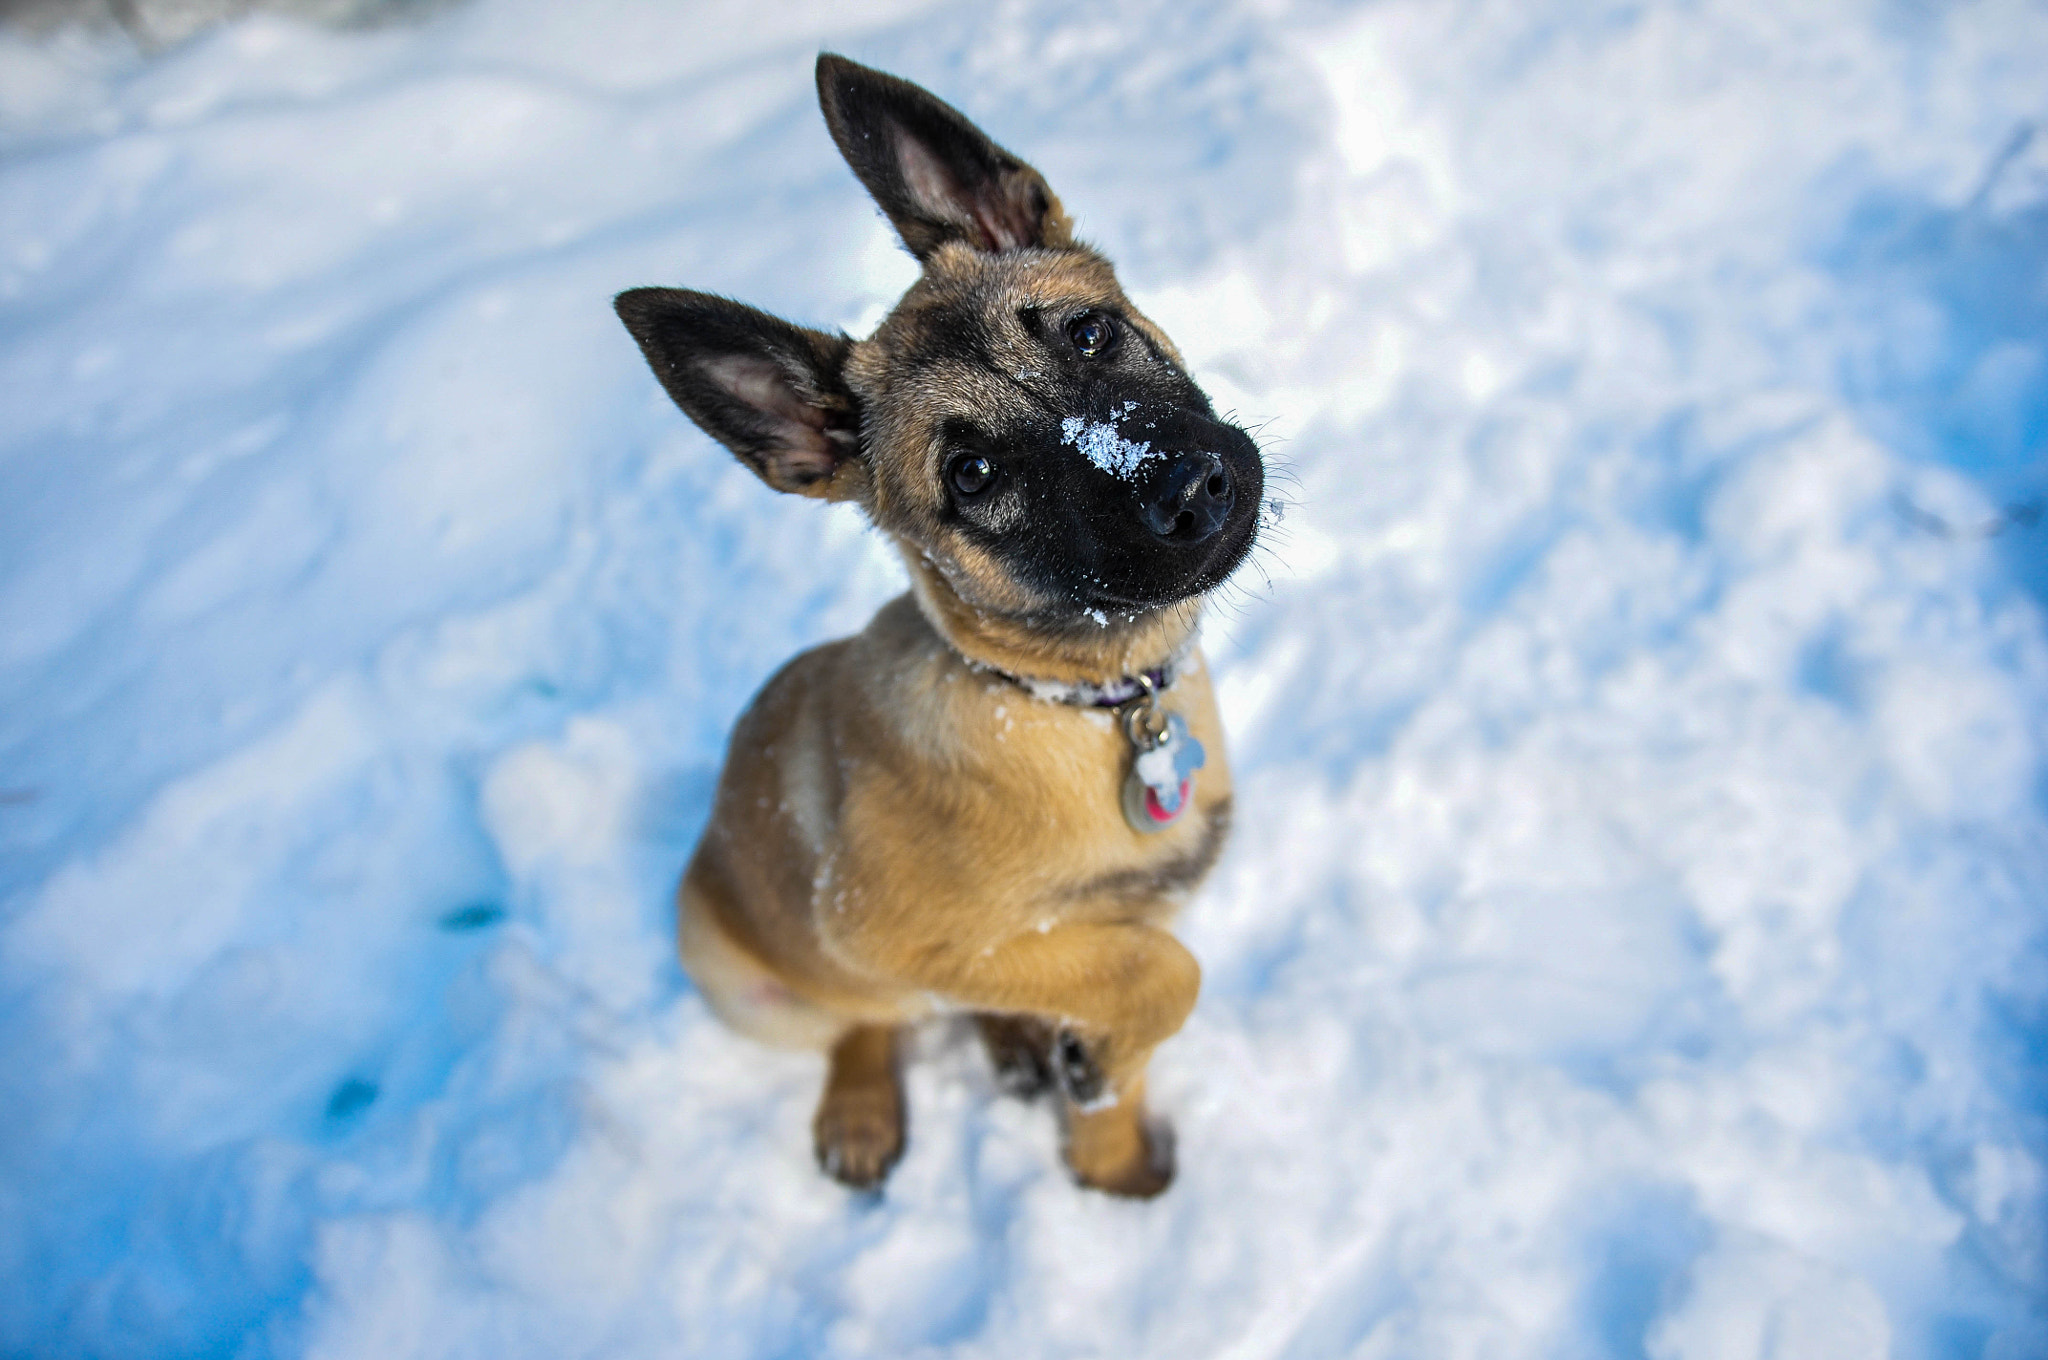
1018, 426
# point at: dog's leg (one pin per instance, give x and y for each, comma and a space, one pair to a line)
1121, 987
1119, 1148
1110, 1141
859, 1126
1020, 1046
1115, 990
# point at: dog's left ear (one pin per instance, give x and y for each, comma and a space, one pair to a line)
937, 176
772, 392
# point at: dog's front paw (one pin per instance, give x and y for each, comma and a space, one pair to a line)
1150, 1175
1121, 1155
859, 1135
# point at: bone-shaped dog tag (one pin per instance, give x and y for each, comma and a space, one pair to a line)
1161, 784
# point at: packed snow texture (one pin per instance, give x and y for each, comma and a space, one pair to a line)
1633, 939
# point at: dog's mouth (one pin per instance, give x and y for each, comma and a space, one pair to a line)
1227, 550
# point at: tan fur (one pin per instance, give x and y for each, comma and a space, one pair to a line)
898, 834
900, 831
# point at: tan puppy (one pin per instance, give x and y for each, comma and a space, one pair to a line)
993, 798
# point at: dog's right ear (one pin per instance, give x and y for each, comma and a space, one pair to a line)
937, 176
773, 393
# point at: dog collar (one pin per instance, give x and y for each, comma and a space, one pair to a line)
1086, 694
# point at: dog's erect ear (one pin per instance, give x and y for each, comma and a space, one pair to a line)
773, 393
937, 176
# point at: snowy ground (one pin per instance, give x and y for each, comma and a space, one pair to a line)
1636, 939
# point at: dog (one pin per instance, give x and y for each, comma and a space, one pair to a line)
992, 799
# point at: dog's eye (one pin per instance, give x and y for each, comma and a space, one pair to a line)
972, 474
1091, 333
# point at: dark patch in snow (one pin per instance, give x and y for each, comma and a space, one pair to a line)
351, 1098
475, 916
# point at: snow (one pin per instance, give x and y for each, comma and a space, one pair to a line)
1633, 940
1103, 443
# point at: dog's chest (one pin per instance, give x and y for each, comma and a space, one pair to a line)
979, 809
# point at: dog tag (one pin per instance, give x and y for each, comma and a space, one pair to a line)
1161, 784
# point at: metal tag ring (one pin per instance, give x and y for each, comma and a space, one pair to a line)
1144, 720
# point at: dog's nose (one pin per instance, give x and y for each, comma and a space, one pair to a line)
1191, 500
